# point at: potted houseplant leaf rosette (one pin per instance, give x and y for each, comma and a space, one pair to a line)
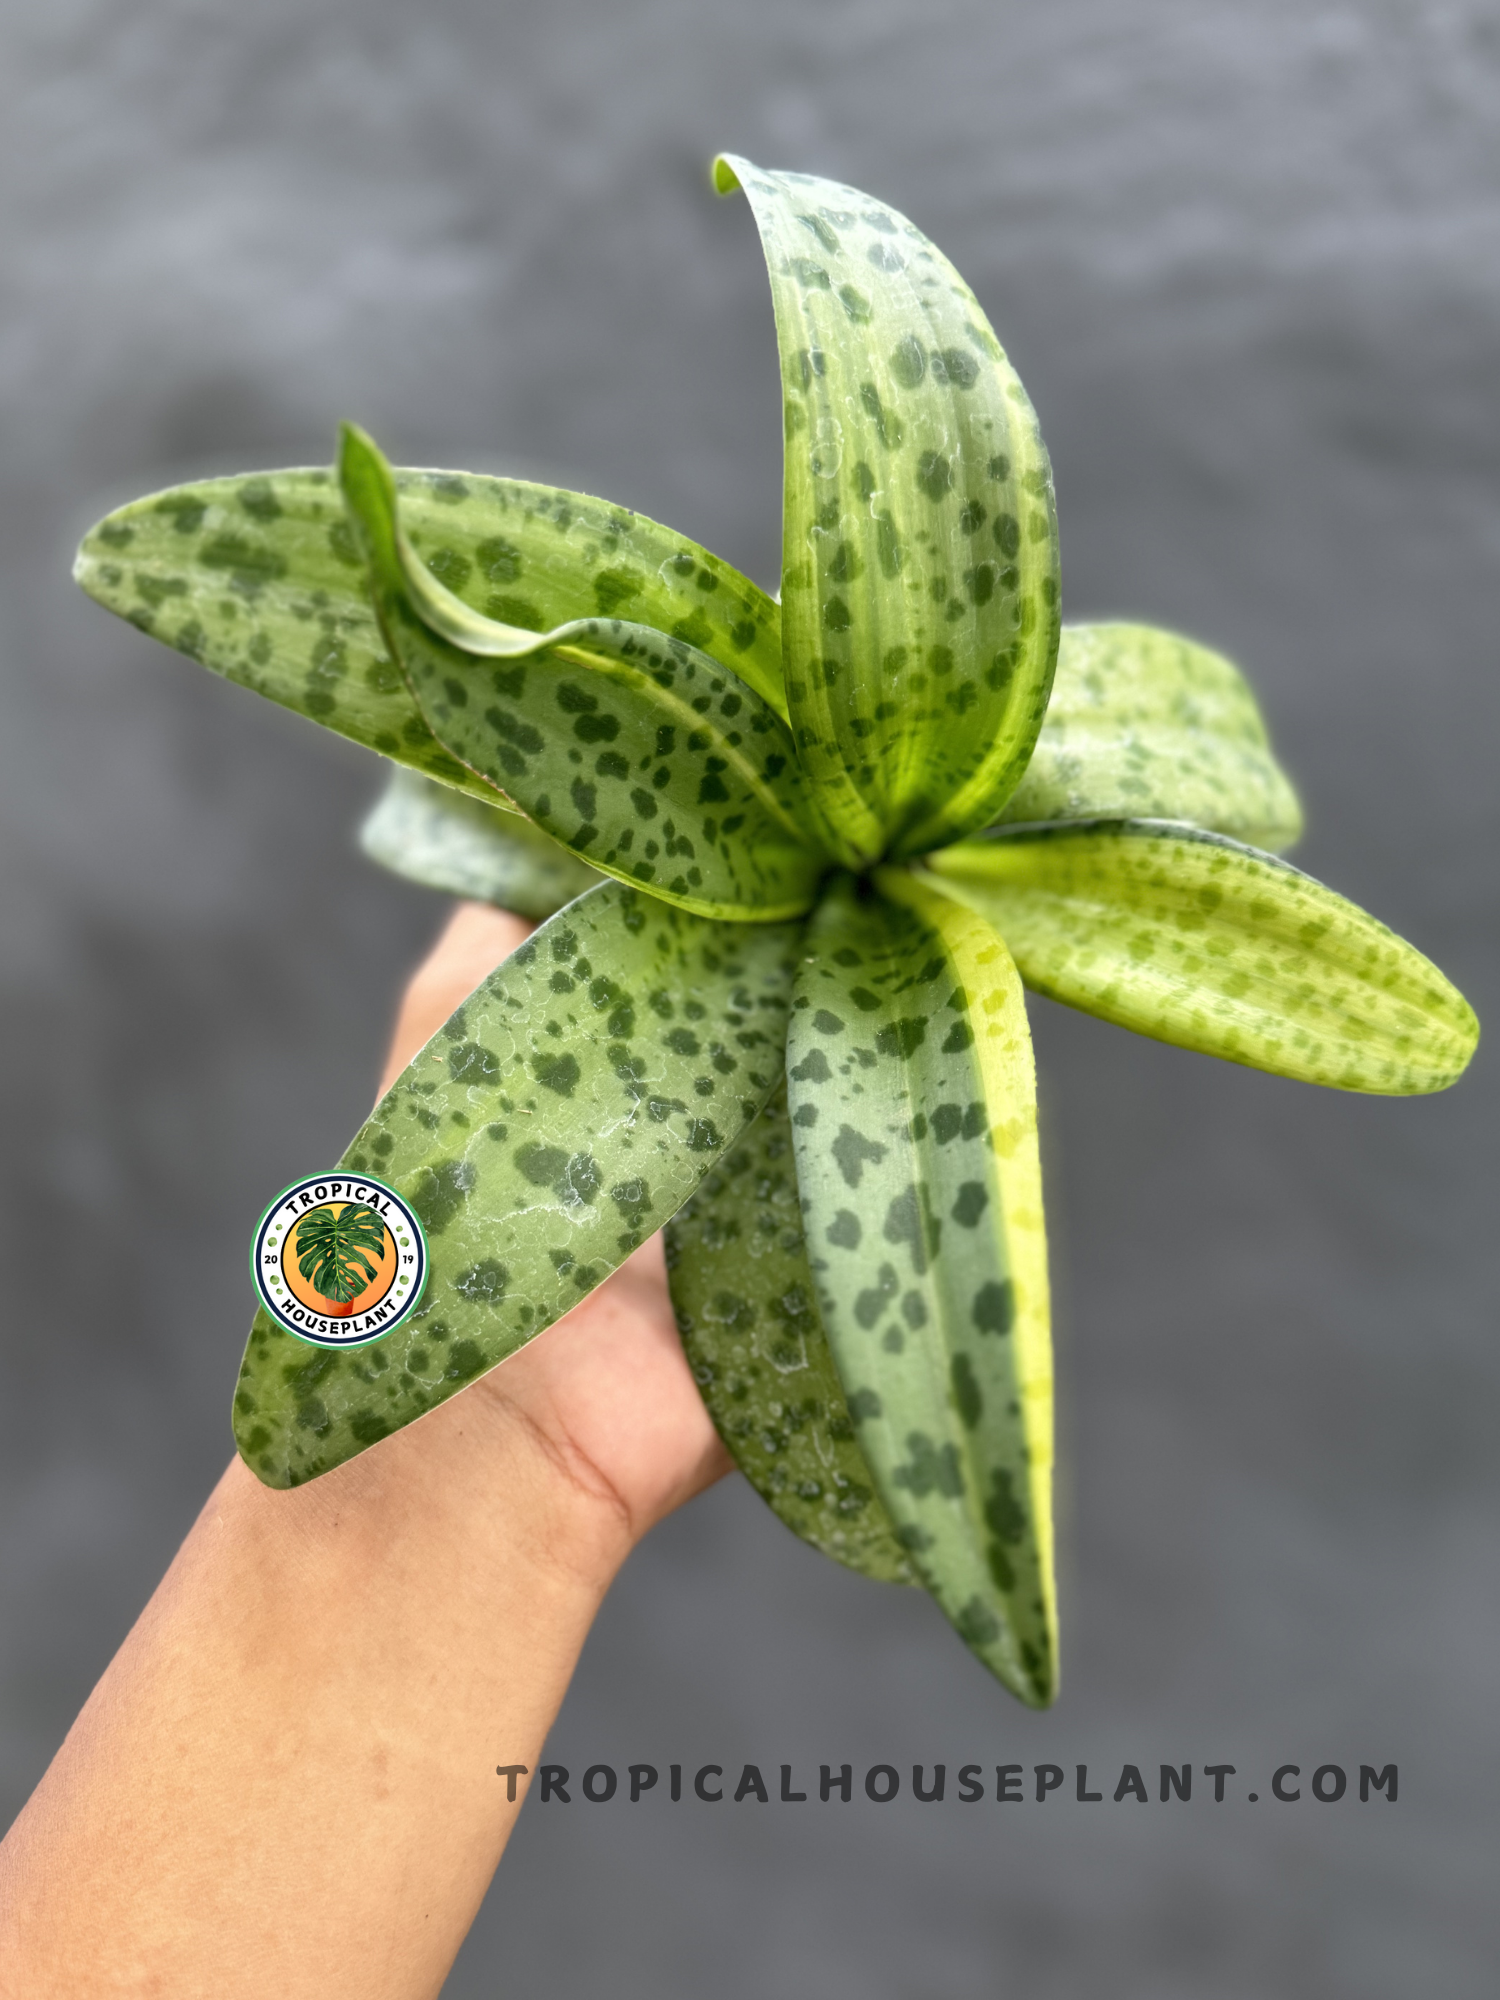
796, 861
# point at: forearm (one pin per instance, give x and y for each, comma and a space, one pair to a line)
285, 1782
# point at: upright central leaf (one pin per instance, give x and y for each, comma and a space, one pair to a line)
919, 543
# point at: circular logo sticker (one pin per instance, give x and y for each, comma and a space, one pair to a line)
339, 1260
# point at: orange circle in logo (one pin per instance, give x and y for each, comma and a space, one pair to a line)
385, 1263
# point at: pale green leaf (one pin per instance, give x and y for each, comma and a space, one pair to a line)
636, 752
1195, 939
747, 1310
1148, 725
913, 1104
259, 579
436, 836
919, 559
563, 1113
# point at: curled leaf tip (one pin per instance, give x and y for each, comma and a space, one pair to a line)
725, 174
369, 489
358, 451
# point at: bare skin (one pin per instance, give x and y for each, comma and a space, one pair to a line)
285, 1781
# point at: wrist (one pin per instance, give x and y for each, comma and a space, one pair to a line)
575, 1528
481, 1487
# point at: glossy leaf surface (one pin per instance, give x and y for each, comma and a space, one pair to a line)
258, 578
444, 840
1148, 725
747, 1311
919, 553
1195, 939
566, 1110
637, 753
913, 1100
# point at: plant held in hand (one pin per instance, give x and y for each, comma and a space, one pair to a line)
797, 861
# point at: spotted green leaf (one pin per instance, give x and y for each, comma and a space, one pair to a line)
1146, 724
747, 1310
636, 752
919, 539
259, 579
564, 1112
560, 556
913, 1101
436, 836
1195, 939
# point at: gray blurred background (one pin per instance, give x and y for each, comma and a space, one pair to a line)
1247, 260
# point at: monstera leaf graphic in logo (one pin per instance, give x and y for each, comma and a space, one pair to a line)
330, 1251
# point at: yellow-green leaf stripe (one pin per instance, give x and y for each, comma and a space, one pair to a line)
913, 1100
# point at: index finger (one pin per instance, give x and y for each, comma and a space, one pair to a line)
473, 942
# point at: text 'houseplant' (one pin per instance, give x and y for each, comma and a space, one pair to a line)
797, 859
